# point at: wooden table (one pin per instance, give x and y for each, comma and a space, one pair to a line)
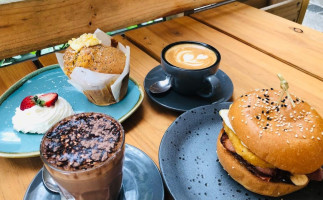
254, 46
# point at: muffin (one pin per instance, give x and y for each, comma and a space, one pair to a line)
98, 58
99, 68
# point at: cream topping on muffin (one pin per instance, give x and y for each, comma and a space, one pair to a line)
39, 119
85, 40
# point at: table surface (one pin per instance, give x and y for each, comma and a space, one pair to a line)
255, 46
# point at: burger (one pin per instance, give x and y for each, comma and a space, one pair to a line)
270, 145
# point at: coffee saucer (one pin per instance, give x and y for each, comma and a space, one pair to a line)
175, 101
141, 180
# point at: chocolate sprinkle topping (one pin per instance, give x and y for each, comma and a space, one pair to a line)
82, 141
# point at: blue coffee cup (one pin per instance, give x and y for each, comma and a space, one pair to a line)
201, 81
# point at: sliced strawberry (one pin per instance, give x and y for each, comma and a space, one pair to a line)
27, 102
48, 99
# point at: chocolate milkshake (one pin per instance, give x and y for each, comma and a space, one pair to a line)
84, 153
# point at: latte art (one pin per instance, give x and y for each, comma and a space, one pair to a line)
190, 56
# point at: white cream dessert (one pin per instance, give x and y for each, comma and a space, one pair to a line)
38, 118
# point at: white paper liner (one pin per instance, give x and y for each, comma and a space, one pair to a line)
85, 79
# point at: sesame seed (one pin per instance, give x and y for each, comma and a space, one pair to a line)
248, 136
287, 142
318, 138
312, 137
296, 136
304, 136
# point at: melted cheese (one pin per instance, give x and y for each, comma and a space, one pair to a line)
241, 148
84, 40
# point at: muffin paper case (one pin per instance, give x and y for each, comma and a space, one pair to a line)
98, 86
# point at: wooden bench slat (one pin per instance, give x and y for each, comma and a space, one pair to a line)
296, 45
35, 24
247, 67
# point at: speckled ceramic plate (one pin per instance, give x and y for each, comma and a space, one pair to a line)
14, 144
175, 101
141, 180
190, 166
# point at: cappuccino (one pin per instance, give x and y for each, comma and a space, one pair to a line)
190, 56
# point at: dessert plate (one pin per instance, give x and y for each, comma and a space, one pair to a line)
190, 166
52, 79
141, 180
175, 101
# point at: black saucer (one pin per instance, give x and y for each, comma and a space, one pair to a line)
175, 101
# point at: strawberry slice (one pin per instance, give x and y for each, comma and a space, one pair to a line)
27, 102
48, 99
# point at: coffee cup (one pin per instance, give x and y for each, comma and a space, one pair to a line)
191, 67
84, 153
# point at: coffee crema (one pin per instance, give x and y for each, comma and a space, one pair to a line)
190, 56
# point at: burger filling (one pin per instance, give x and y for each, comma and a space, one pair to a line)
265, 174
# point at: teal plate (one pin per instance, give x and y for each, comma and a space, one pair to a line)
15, 144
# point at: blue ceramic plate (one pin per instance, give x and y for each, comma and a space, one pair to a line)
14, 144
175, 101
141, 180
190, 166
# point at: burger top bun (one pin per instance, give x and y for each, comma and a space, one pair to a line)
289, 138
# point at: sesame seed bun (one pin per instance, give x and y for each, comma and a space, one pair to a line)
290, 139
251, 182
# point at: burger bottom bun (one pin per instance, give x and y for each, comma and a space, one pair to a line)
251, 182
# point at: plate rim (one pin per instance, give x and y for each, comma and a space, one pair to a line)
164, 136
21, 81
130, 146
183, 110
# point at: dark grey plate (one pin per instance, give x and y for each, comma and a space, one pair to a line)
189, 162
141, 180
181, 103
